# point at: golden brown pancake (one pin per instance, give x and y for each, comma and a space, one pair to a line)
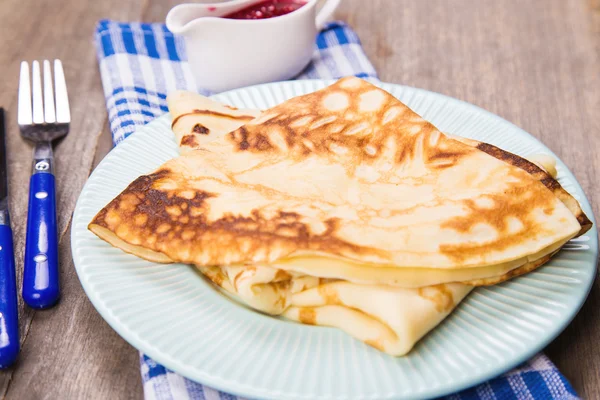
333, 204
349, 173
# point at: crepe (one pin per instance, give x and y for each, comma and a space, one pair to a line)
388, 318
343, 191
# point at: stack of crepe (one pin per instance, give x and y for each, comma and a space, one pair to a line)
342, 208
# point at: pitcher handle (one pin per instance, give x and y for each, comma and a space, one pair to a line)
325, 12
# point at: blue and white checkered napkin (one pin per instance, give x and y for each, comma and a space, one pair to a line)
141, 63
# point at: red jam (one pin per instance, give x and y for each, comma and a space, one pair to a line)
267, 9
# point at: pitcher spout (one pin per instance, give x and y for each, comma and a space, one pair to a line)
183, 17
180, 18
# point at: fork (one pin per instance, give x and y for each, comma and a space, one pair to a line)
41, 122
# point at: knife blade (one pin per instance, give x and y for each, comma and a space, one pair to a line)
3, 172
9, 323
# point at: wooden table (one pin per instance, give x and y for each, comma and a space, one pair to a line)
535, 63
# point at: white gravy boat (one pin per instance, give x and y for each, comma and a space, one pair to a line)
230, 53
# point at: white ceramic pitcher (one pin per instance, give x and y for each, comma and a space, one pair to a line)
230, 53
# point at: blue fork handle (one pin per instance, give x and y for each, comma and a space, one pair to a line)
40, 275
9, 322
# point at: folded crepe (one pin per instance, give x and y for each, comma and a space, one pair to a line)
344, 208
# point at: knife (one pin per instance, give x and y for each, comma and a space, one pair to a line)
9, 323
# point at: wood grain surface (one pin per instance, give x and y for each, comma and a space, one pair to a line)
535, 63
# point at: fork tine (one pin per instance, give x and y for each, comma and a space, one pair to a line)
24, 112
49, 114
36, 86
63, 114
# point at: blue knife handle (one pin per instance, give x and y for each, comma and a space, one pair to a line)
40, 275
9, 322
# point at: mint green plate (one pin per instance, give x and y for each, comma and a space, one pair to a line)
174, 316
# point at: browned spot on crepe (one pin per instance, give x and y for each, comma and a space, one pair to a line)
281, 275
329, 294
281, 288
439, 295
236, 278
215, 275
202, 130
189, 140
307, 316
